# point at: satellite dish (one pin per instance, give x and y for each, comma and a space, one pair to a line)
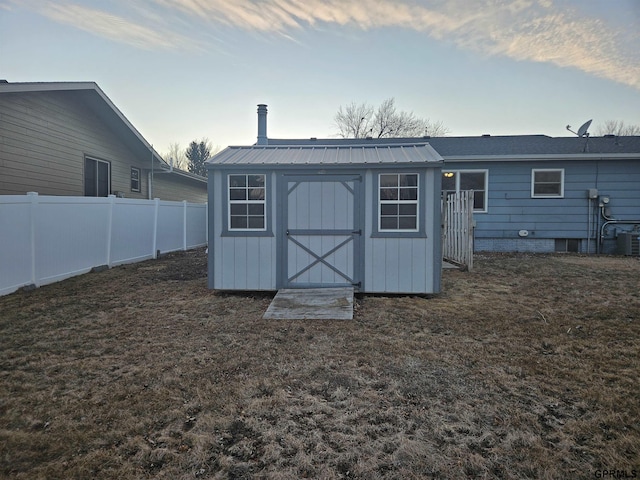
582, 131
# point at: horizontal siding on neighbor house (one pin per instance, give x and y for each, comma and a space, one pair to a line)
44, 138
179, 188
511, 208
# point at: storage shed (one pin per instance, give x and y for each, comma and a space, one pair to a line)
308, 216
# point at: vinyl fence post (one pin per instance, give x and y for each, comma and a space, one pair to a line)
112, 199
206, 223
33, 197
156, 211
184, 225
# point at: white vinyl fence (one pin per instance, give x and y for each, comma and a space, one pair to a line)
457, 233
44, 239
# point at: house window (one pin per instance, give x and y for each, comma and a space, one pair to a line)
547, 183
247, 202
398, 202
454, 181
97, 178
135, 179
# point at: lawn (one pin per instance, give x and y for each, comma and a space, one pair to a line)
526, 367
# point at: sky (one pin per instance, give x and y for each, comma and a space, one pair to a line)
183, 70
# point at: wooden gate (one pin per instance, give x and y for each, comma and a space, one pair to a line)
321, 241
457, 233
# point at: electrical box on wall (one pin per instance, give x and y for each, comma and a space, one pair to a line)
593, 193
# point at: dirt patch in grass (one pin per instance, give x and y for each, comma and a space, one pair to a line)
526, 367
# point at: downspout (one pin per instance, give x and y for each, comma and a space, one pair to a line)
151, 177
152, 173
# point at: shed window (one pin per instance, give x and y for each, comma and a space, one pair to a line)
135, 179
398, 202
247, 202
454, 181
547, 183
97, 178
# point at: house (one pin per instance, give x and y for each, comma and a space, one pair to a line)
301, 216
534, 193
68, 138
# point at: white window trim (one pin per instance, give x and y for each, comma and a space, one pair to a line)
139, 189
415, 202
230, 202
486, 184
533, 178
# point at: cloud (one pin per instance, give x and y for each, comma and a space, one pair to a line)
547, 31
528, 30
115, 28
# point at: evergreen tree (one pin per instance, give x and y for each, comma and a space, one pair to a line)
197, 154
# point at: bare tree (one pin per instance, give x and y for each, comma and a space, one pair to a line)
354, 120
617, 128
363, 120
175, 155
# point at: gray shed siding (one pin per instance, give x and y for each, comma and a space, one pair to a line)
385, 264
511, 207
238, 262
400, 264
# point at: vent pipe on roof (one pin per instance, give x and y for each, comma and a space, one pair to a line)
262, 125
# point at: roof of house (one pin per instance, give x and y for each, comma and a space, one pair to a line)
91, 95
485, 146
407, 153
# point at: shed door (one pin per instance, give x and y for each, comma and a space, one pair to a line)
322, 232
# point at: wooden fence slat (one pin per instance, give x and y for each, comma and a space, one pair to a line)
457, 234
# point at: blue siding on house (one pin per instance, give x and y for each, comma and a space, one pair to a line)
511, 207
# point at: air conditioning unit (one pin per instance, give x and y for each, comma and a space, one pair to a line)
629, 243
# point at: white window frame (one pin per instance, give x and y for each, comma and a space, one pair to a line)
533, 183
486, 184
247, 201
139, 180
399, 202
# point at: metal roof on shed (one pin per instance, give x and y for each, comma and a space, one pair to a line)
299, 155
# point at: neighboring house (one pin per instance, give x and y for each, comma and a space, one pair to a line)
68, 138
535, 193
301, 216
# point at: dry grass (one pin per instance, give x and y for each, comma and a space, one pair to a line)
526, 367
